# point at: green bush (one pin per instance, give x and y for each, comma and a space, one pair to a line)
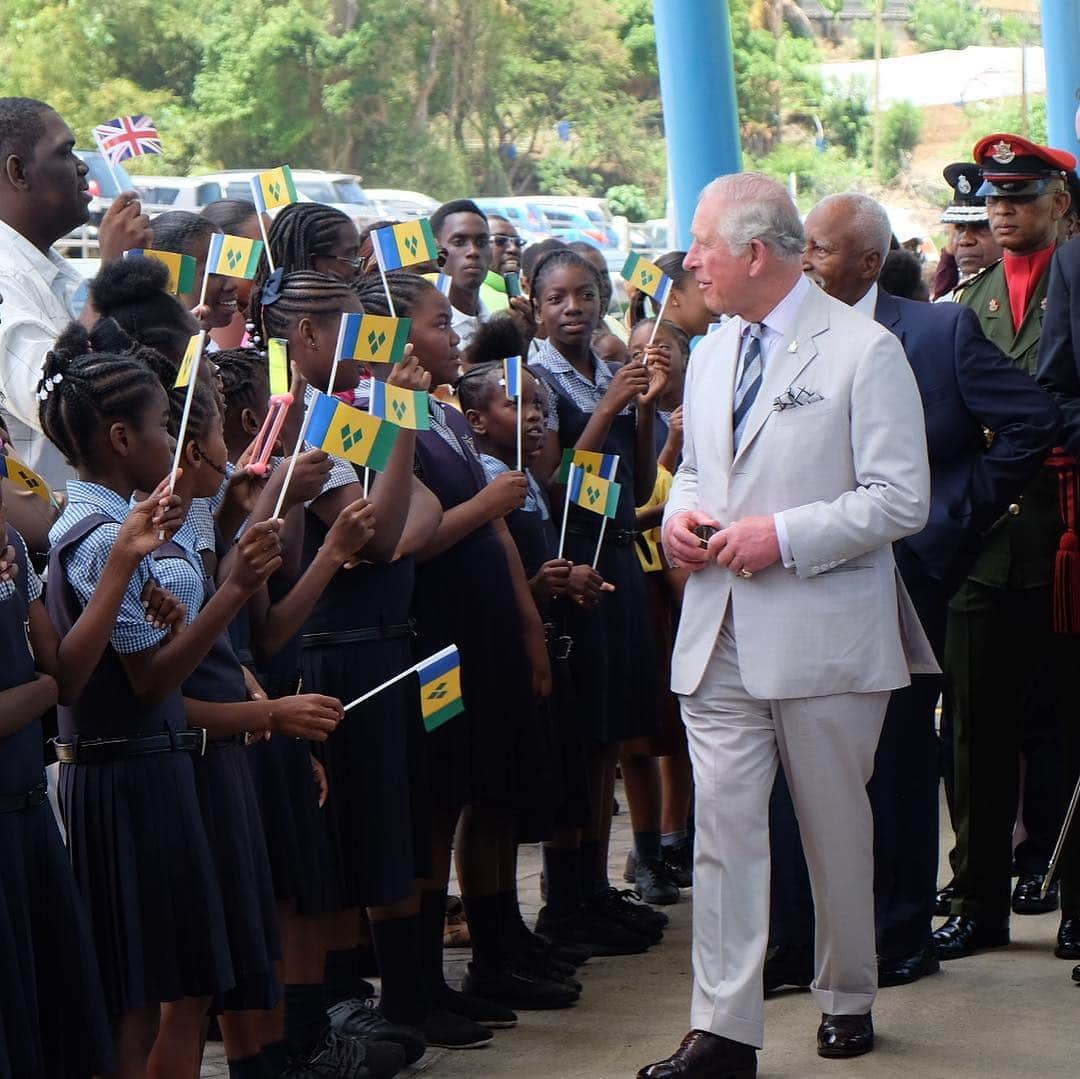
845, 115
863, 34
947, 24
631, 201
901, 128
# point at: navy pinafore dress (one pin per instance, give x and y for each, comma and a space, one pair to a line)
465, 596
358, 635
136, 834
53, 1023
612, 657
234, 827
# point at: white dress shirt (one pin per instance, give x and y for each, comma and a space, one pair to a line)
465, 326
38, 291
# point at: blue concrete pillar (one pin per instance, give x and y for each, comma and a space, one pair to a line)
697, 85
1061, 40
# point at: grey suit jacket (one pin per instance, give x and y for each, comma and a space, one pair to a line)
848, 473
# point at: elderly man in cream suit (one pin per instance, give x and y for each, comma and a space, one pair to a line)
804, 460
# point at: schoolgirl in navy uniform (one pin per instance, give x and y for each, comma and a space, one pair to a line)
127, 785
357, 636
472, 591
613, 414
52, 1014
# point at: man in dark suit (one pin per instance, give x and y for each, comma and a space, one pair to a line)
967, 386
1059, 372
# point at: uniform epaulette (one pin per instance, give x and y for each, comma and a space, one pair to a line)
965, 285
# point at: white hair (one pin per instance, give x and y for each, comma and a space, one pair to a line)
758, 208
867, 218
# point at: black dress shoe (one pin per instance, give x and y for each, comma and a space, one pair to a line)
705, 1056
1026, 897
943, 901
962, 935
788, 966
845, 1035
909, 968
1068, 938
1076, 973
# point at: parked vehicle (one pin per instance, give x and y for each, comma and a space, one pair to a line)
337, 189
179, 192
395, 205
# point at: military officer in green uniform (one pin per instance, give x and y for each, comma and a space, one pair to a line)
1003, 663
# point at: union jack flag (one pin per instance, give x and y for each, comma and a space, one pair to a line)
127, 136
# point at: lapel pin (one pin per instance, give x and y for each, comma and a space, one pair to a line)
994, 306
793, 347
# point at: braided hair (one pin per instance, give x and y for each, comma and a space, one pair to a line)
300, 232
92, 378
133, 292
589, 252
180, 230
672, 264
477, 386
204, 401
560, 258
243, 377
682, 340
406, 289
299, 293
229, 214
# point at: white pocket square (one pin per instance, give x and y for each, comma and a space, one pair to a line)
796, 397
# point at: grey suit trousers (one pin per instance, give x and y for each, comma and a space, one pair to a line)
826, 745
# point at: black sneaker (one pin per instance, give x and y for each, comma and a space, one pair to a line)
448, 1030
621, 907
678, 859
601, 935
333, 1057
653, 883
517, 988
546, 966
485, 1012
361, 1019
569, 955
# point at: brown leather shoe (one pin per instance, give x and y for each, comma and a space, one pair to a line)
705, 1056
845, 1035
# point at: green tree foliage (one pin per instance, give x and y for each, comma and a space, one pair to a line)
947, 24
901, 127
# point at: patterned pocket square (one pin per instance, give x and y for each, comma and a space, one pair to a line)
796, 397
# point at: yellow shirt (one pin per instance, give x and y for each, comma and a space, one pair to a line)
648, 544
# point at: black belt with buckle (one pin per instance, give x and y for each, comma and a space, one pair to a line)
559, 644
12, 803
351, 636
616, 537
99, 750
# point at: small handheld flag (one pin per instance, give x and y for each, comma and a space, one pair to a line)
604, 465
594, 493
233, 256
181, 267
440, 688
443, 283
647, 276
512, 376
397, 246
272, 189
191, 358
27, 479
374, 338
344, 431
127, 137
277, 354
406, 408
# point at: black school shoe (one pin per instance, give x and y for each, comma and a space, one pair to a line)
654, 883
448, 1030
542, 965
361, 1019
625, 908
678, 860
517, 988
476, 1009
1027, 896
332, 1057
602, 936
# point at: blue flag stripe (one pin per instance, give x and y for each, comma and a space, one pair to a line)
440, 667
351, 335
391, 259
322, 415
378, 398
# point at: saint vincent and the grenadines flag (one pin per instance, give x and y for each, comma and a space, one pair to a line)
273, 188
14, 471
406, 244
181, 267
604, 465
647, 276
191, 358
233, 256
406, 408
594, 493
344, 431
440, 687
512, 376
374, 338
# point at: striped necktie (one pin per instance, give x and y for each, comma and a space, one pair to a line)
749, 379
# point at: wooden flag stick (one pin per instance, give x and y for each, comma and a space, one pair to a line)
566, 510
599, 542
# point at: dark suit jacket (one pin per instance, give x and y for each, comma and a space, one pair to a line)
1059, 349
967, 384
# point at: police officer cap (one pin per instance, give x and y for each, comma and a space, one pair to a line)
1015, 167
966, 207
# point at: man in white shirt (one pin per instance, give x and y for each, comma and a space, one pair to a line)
43, 196
461, 231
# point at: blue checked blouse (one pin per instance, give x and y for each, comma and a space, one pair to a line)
33, 581
534, 498
585, 393
84, 563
